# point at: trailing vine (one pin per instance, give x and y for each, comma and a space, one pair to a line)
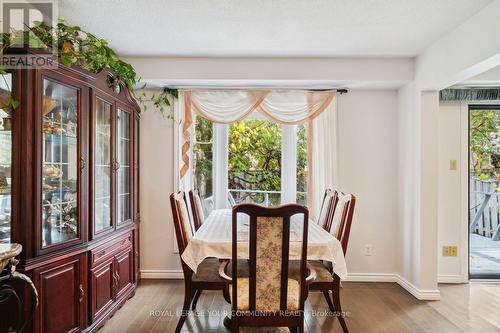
76, 47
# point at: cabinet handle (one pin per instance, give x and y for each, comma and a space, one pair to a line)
82, 293
116, 165
118, 277
100, 254
82, 163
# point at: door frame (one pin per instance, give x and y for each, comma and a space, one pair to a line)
495, 105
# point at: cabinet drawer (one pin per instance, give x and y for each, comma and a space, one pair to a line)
103, 252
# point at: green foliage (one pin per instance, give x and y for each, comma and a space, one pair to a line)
161, 101
301, 158
203, 157
484, 142
81, 48
255, 155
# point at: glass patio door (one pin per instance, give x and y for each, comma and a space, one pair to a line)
484, 191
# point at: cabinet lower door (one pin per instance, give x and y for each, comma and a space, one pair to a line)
102, 284
62, 288
124, 271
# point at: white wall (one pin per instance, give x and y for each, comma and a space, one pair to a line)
452, 214
157, 183
368, 168
460, 54
408, 239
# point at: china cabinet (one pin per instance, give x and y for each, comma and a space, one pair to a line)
69, 191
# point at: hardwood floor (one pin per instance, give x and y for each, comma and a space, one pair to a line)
370, 307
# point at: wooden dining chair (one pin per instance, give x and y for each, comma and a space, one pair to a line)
268, 297
207, 274
339, 225
327, 205
196, 208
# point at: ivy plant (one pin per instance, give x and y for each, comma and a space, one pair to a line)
76, 47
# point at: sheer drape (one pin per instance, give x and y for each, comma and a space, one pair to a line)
322, 156
282, 106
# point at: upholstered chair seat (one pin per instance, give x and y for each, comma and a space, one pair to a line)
323, 274
208, 270
293, 295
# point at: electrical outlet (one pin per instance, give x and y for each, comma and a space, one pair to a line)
368, 250
450, 251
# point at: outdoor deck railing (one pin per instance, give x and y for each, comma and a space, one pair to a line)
484, 214
265, 194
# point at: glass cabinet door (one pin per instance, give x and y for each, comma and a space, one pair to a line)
60, 163
124, 199
5, 157
102, 166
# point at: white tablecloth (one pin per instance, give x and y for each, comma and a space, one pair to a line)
214, 239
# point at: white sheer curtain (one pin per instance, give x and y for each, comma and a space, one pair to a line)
317, 108
322, 162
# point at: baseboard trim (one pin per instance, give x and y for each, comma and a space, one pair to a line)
371, 277
421, 294
162, 274
451, 279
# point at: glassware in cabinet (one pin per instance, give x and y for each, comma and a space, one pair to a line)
102, 166
5, 157
60, 163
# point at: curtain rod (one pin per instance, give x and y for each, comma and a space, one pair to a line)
340, 91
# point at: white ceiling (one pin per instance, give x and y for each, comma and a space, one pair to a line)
488, 79
289, 28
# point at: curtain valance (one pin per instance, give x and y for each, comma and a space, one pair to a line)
229, 106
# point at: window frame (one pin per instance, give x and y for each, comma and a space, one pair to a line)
220, 155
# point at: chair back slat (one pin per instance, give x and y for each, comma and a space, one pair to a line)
182, 224
196, 208
269, 244
325, 214
342, 218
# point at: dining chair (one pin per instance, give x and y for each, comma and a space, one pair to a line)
207, 274
327, 205
339, 225
268, 297
196, 208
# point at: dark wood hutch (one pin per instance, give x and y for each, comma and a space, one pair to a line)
69, 160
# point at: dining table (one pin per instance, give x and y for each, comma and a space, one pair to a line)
214, 240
